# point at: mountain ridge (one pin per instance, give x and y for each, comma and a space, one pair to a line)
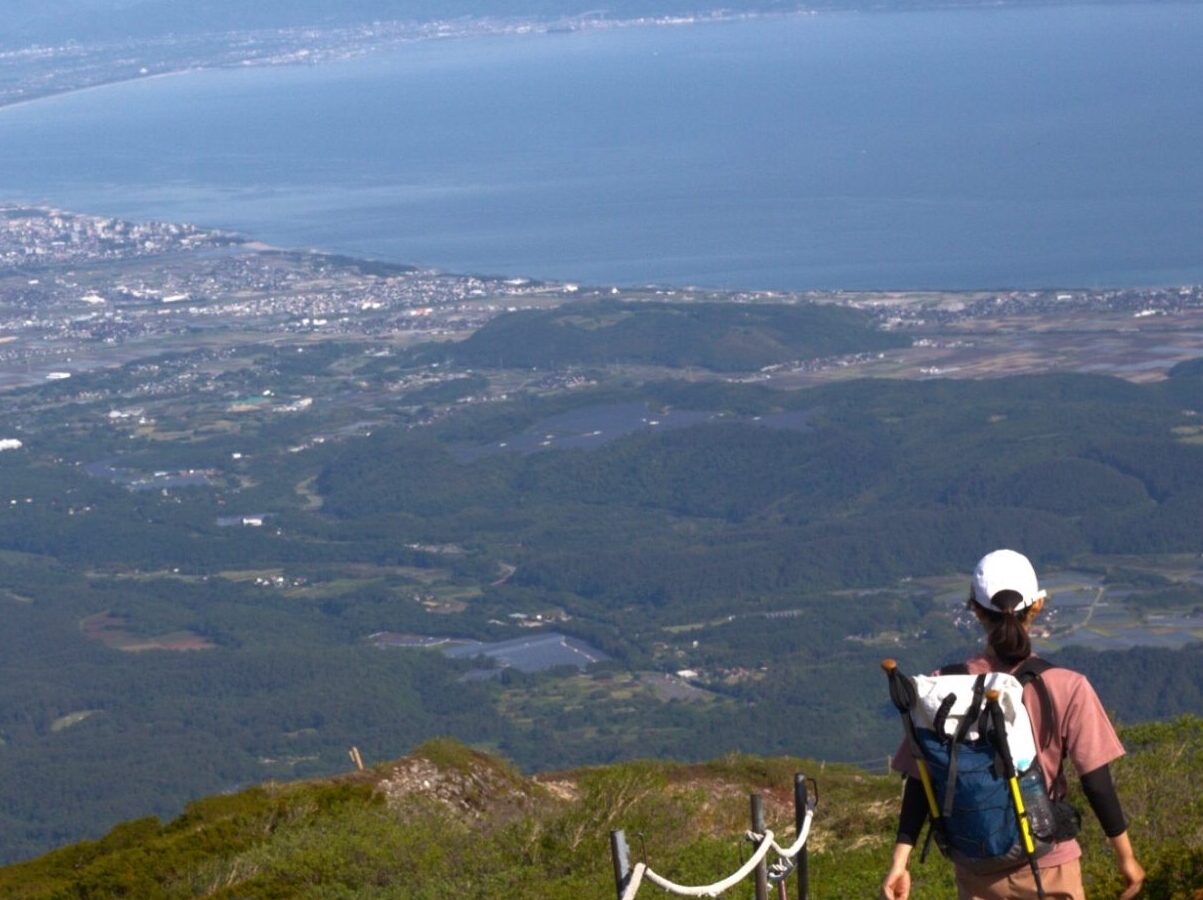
451, 820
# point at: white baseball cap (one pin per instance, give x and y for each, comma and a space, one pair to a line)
1005, 570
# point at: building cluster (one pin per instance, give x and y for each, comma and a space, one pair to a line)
31, 237
1139, 303
81, 292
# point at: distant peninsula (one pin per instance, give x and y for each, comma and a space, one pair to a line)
83, 44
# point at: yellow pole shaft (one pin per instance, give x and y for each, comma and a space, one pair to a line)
928, 790
1025, 827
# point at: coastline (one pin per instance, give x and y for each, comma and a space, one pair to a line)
299, 54
86, 88
296, 45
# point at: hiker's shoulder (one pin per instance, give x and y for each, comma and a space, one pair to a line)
1063, 682
1052, 671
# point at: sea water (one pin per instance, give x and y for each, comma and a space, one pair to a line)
1051, 146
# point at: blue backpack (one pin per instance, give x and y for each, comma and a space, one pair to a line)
976, 751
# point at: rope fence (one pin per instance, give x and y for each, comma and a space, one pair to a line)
628, 879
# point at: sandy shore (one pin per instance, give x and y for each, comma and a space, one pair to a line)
88, 88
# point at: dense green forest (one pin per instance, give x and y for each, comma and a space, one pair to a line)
778, 545
888, 479
399, 830
723, 337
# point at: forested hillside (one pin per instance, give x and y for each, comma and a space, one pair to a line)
884, 479
722, 337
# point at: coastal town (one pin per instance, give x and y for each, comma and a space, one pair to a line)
80, 293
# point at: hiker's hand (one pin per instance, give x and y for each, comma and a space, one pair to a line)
1134, 877
1125, 860
897, 885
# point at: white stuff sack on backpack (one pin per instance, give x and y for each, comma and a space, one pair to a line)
933, 689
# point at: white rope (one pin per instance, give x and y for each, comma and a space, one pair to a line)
796, 847
713, 890
635, 882
766, 843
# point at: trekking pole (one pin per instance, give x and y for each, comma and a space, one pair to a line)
902, 693
998, 726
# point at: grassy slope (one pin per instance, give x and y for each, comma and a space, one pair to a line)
448, 821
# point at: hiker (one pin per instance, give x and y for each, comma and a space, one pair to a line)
1006, 599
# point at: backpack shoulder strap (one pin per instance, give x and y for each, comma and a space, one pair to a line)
1030, 672
1033, 667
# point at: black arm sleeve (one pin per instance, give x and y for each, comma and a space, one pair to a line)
1100, 791
914, 812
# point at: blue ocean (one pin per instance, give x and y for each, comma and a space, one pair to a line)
1049, 146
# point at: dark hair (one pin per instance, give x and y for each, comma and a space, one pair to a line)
1006, 630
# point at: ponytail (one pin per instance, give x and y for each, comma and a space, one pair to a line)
1006, 630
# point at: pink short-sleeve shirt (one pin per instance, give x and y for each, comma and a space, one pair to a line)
1083, 734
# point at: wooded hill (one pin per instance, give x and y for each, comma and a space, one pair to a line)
723, 337
447, 821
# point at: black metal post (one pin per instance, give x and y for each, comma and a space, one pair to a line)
762, 869
621, 855
802, 860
